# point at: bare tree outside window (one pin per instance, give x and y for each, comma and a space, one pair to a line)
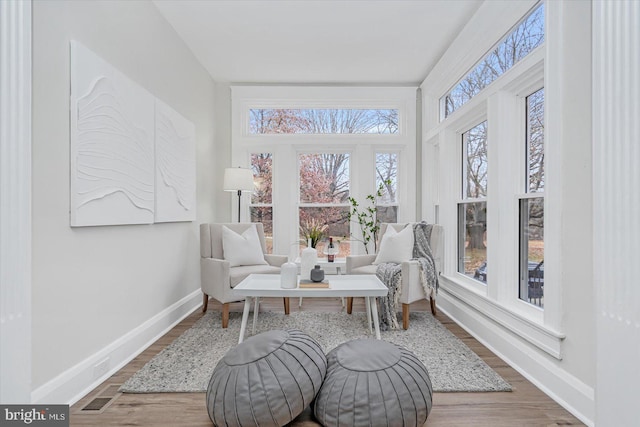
387, 179
261, 206
324, 196
324, 177
519, 43
532, 208
323, 121
475, 159
472, 212
535, 130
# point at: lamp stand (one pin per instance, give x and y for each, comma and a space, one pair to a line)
239, 196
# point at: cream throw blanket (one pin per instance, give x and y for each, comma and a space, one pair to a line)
391, 275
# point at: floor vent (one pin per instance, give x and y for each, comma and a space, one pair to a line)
102, 400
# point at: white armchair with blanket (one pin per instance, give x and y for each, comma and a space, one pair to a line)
228, 254
411, 288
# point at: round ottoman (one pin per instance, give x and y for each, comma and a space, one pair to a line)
373, 383
267, 380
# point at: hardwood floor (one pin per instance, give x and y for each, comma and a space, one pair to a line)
524, 406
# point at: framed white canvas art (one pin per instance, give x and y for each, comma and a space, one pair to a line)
175, 166
112, 145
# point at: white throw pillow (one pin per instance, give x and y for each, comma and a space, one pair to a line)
242, 249
396, 246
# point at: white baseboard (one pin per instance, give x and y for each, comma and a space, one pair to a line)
73, 384
568, 391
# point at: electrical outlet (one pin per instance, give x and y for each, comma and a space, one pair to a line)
101, 368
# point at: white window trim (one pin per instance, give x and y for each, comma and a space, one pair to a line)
498, 302
361, 146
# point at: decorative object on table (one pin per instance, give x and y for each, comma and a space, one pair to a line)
317, 274
357, 366
187, 363
367, 218
238, 180
309, 284
308, 259
331, 251
275, 376
313, 230
289, 275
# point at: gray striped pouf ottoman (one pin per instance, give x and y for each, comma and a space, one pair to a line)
373, 383
267, 380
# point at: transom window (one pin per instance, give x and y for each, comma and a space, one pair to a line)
323, 121
527, 36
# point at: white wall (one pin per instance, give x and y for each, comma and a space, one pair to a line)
95, 287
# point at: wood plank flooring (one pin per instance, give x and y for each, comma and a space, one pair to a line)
524, 406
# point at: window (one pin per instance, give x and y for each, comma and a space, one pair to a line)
261, 206
532, 205
323, 121
528, 35
324, 200
387, 179
472, 210
313, 148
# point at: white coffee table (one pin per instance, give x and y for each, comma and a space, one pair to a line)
268, 285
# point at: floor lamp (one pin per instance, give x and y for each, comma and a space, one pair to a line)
238, 179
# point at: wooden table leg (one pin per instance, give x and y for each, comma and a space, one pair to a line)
286, 305
349, 305
245, 318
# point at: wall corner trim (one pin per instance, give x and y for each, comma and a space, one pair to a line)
73, 384
567, 390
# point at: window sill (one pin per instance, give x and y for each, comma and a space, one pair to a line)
530, 329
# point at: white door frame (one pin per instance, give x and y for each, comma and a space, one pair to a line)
15, 201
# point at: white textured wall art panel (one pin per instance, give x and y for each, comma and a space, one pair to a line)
175, 166
112, 147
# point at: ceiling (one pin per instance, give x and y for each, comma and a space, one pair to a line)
318, 41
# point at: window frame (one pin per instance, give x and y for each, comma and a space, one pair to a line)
499, 299
299, 204
286, 146
524, 192
463, 200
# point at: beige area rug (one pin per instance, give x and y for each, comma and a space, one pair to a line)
187, 363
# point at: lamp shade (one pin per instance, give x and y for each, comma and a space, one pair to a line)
238, 179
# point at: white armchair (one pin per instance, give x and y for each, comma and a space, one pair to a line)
411, 288
218, 278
